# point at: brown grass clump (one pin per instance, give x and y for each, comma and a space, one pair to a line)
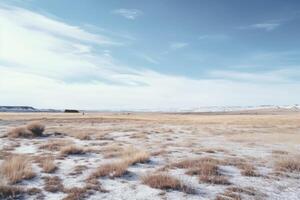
36, 128
166, 182
48, 165
220, 180
55, 145
53, 184
10, 192
21, 131
76, 193
133, 156
234, 193
72, 150
82, 136
248, 170
112, 170
193, 163
289, 164
16, 168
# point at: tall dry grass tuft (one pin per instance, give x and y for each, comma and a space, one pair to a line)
72, 150
205, 168
133, 156
112, 170
34, 129
166, 182
288, 164
17, 132
10, 192
17, 168
48, 165
55, 145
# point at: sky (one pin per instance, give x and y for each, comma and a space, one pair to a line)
155, 55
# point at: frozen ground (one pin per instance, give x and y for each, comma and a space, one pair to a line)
259, 140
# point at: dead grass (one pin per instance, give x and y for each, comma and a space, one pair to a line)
82, 136
288, 164
17, 168
220, 179
133, 156
48, 165
166, 182
112, 170
10, 192
72, 150
76, 193
55, 145
21, 131
34, 129
53, 184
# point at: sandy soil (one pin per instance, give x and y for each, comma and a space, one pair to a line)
259, 140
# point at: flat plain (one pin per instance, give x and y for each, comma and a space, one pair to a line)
222, 156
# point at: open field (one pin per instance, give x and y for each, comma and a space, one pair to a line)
150, 156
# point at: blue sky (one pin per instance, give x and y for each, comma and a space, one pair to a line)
139, 54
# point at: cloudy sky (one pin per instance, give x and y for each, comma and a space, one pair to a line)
160, 54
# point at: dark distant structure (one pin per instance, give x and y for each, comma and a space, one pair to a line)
71, 111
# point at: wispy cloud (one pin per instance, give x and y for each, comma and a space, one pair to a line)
178, 45
267, 26
131, 14
57, 62
213, 37
148, 58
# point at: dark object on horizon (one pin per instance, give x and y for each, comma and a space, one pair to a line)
71, 111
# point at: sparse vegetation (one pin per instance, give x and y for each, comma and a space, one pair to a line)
16, 168
10, 192
34, 129
72, 150
115, 169
53, 184
48, 165
288, 164
166, 182
55, 145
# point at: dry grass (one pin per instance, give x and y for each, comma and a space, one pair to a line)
133, 156
21, 131
76, 193
53, 184
72, 150
48, 165
193, 163
220, 180
82, 136
112, 170
34, 129
205, 168
166, 182
288, 164
55, 145
16, 168
234, 193
10, 192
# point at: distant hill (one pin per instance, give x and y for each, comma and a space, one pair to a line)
24, 109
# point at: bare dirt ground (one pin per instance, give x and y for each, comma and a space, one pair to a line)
151, 156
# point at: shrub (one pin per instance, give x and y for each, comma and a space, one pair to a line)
10, 192
19, 132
